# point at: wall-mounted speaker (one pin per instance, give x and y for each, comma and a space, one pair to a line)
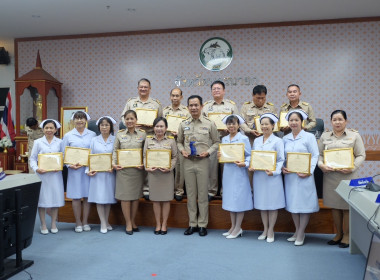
4, 56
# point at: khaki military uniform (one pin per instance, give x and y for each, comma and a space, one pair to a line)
33, 134
205, 134
311, 121
181, 111
129, 181
349, 139
228, 107
161, 185
151, 103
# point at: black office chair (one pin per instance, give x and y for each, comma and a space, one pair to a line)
91, 125
318, 129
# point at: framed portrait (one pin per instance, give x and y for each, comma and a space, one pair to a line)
298, 162
129, 157
263, 160
66, 123
339, 158
231, 152
100, 162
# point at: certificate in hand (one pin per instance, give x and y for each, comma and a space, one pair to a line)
258, 125
50, 161
100, 162
129, 157
231, 152
75, 155
146, 116
298, 162
158, 158
284, 122
339, 158
217, 119
173, 122
263, 160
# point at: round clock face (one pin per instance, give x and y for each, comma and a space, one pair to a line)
215, 54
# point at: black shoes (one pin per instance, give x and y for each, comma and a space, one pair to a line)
178, 197
136, 229
157, 232
163, 232
146, 197
190, 230
129, 232
202, 231
333, 242
343, 245
210, 198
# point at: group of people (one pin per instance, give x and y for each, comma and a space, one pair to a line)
194, 158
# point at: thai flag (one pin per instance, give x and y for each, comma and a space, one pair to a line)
6, 125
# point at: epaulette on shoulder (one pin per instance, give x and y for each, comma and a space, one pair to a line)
284, 105
327, 130
171, 137
269, 103
121, 130
149, 136
353, 130
142, 130
305, 103
231, 101
129, 99
248, 102
157, 101
207, 102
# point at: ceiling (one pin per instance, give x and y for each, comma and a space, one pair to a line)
34, 18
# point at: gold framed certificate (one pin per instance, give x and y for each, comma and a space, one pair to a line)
50, 161
263, 160
231, 152
298, 162
339, 158
146, 116
258, 125
284, 122
74, 155
217, 119
174, 122
129, 157
158, 158
100, 162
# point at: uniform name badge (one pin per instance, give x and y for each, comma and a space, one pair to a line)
231, 152
50, 162
100, 162
146, 116
298, 162
263, 160
129, 157
339, 158
74, 155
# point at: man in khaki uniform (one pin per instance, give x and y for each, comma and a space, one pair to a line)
197, 139
217, 105
143, 101
255, 108
293, 94
179, 110
34, 132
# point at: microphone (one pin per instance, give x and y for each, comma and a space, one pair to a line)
371, 186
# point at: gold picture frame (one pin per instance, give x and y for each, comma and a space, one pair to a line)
74, 155
284, 123
158, 158
263, 160
128, 158
258, 125
100, 162
66, 123
298, 162
339, 158
174, 122
231, 152
50, 162
146, 116
217, 119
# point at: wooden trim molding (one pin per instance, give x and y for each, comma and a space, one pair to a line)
372, 155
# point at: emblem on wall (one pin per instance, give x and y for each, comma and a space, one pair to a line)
215, 54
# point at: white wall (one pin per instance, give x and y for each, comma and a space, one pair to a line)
7, 72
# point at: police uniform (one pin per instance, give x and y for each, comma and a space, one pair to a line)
181, 111
227, 107
161, 185
151, 103
311, 121
132, 104
33, 134
129, 181
205, 135
349, 139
